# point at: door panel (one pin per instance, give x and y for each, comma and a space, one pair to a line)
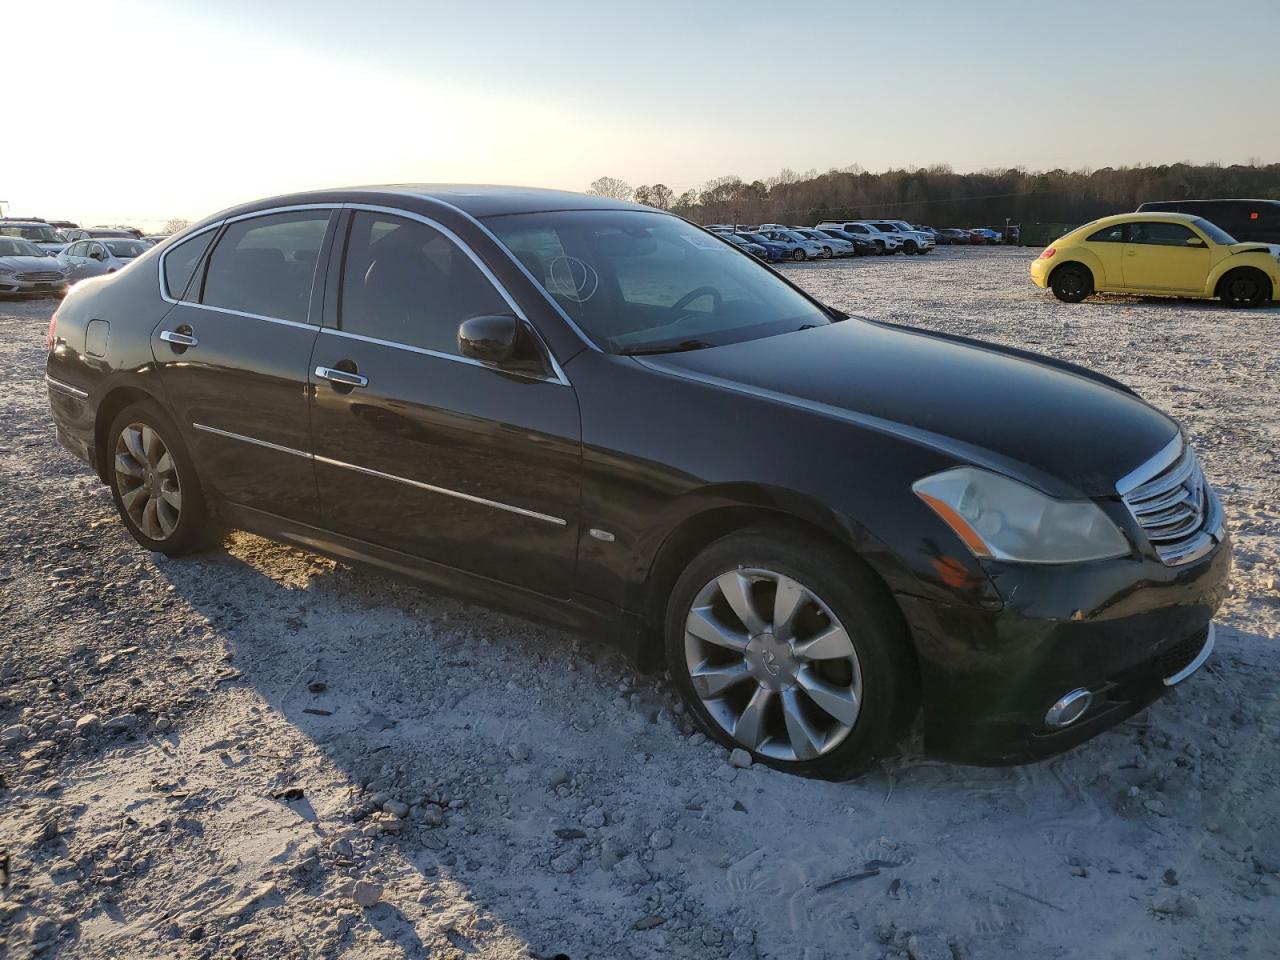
1157, 257
241, 394
436, 454
240, 390
451, 461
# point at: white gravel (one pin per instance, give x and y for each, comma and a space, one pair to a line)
259, 753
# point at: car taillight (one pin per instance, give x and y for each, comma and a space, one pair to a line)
48, 340
1048, 253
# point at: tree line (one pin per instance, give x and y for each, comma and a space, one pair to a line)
940, 197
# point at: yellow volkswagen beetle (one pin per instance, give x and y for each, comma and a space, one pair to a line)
1166, 254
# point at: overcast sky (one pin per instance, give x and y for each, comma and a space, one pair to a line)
154, 109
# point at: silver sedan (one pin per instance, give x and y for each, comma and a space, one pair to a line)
92, 258
25, 268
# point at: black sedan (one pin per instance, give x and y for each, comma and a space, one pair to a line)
597, 414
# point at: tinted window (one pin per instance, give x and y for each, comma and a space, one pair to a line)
1112, 234
1216, 233
1160, 234
180, 262
638, 282
406, 282
265, 265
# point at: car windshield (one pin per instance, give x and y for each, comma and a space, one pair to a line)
36, 233
753, 237
1215, 232
639, 282
125, 249
797, 237
13, 247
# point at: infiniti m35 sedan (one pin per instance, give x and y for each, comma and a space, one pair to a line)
598, 415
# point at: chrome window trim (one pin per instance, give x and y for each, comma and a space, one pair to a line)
165, 295
432, 488
488, 275
67, 388
252, 316
410, 348
590, 344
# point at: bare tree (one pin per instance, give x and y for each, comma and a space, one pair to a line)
643, 194
612, 188
174, 224
661, 196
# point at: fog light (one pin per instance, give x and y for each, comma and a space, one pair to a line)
1069, 709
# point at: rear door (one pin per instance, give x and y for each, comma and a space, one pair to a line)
233, 354
1158, 256
421, 449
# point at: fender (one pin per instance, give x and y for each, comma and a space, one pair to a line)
1259, 258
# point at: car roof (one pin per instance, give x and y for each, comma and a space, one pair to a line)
1158, 216
476, 200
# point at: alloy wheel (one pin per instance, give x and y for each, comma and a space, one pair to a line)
772, 665
147, 479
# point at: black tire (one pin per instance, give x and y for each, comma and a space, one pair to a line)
1071, 282
880, 247
1244, 287
195, 529
862, 605
798, 255
910, 247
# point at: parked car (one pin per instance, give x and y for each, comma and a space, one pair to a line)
951, 236
863, 245
43, 235
885, 243
97, 233
91, 258
834, 246
154, 238
1246, 220
987, 235
1170, 254
423, 380
798, 247
913, 240
752, 248
26, 268
774, 251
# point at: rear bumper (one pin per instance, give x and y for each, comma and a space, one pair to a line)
1125, 630
73, 418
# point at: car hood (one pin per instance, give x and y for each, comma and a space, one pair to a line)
1058, 427
1255, 247
30, 263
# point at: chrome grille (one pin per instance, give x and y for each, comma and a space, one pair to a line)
40, 276
1171, 501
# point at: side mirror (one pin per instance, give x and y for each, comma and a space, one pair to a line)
491, 338
1195, 242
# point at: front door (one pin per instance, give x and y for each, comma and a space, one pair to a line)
234, 353
1160, 256
421, 449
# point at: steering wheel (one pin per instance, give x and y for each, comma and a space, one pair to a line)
692, 295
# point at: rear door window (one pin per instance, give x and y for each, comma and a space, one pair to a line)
180, 263
1112, 234
266, 265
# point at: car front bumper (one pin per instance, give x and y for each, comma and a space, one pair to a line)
1122, 629
49, 287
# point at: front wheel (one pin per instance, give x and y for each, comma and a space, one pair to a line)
797, 255
827, 253
909, 247
791, 649
1245, 287
1071, 283
153, 482
881, 250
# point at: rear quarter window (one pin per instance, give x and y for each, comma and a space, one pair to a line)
181, 261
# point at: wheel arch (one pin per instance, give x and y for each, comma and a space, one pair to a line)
115, 400
1232, 265
1076, 261
734, 508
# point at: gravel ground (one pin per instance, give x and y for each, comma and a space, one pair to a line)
259, 753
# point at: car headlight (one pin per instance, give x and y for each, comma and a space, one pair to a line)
1001, 519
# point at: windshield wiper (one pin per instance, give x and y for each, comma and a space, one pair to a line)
680, 347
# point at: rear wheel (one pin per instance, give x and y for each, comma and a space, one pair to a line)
1245, 287
790, 649
154, 483
1071, 283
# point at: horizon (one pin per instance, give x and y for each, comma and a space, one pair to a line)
558, 98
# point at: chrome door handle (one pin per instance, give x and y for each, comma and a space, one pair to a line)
180, 339
342, 376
